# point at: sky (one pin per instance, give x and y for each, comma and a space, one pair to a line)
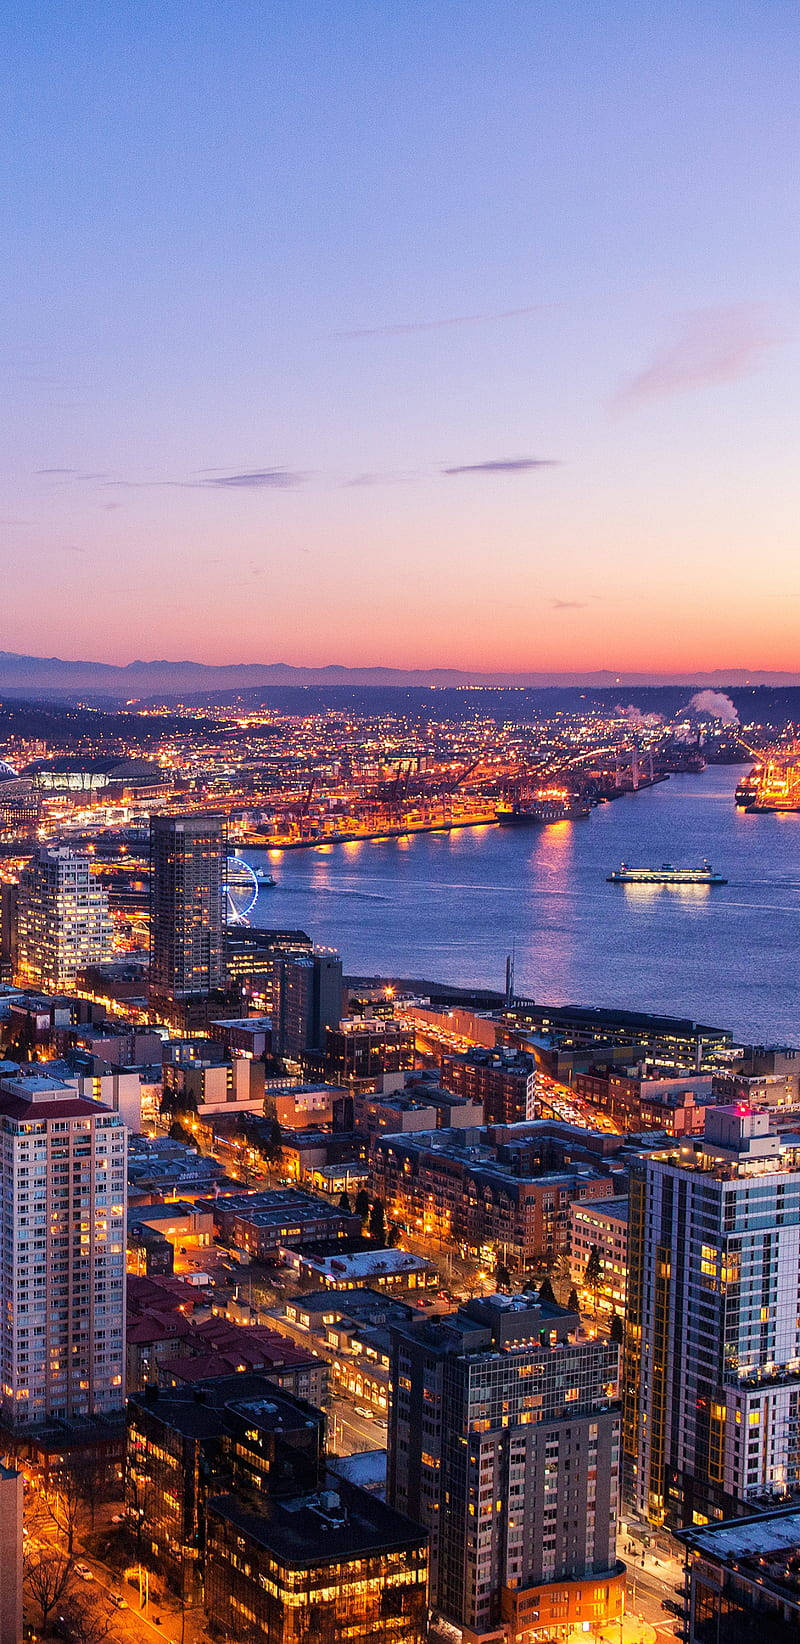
404, 332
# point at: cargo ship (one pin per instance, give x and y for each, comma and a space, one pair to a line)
554, 806
666, 875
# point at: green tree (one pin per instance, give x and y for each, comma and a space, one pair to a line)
502, 1277
616, 1331
344, 1204
377, 1223
362, 1204
546, 1291
393, 1235
573, 1301
593, 1274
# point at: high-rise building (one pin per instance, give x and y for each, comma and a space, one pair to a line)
62, 1235
11, 1559
504, 1443
712, 1348
63, 921
187, 911
306, 1000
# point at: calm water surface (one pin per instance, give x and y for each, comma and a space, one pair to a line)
450, 906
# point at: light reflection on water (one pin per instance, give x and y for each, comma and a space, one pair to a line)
450, 906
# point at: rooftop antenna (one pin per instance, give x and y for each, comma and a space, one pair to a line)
510, 977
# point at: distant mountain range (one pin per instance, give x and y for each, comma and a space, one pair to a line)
37, 676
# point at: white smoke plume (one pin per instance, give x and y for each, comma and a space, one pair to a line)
716, 704
636, 716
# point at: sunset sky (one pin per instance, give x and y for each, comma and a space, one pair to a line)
405, 332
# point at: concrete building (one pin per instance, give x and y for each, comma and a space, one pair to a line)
648, 1099
208, 1089
187, 907
502, 1081
744, 1579
602, 1227
11, 1559
62, 1232
265, 1222
365, 1048
336, 1555
63, 922
413, 1108
306, 1001
504, 1443
712, 1351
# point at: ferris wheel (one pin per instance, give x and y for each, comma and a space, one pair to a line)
240, 891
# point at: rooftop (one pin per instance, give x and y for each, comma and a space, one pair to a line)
338, 1522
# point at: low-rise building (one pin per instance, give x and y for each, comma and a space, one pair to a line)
395, 1270
339, 1564
744, 1579
366, 1048
501, 1081
262, 1224
453, 1185
206, 1089
643, 1098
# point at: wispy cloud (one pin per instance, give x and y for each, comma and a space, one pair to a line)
255, 479
712, 346
503, 465
568, 604
408, 327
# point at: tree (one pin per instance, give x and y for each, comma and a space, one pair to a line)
273, 1147
502, 1277
48, 1576
393, 1235
362, 1204
377, 1223
344, 1204
63, 1501
593, 1274
546, 1291
85, 1621
97, 1482
616, 1331
573, 1301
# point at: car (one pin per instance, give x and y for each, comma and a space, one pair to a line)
84, 1572
121, 1603
671, 1606
118, 1518
364, 1411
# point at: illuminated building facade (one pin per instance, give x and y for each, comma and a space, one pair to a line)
712, 1350
457, 1186
602, 1227
504, 1441
187, 911
503, 1081
63, 922
366, 1049
332, 1564
62, 1230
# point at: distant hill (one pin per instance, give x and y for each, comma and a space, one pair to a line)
42, 677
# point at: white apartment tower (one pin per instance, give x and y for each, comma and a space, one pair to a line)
63, 1173
711, 1389
63, 921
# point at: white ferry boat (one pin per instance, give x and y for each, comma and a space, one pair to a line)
666, 875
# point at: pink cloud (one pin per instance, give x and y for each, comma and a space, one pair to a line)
713, 345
